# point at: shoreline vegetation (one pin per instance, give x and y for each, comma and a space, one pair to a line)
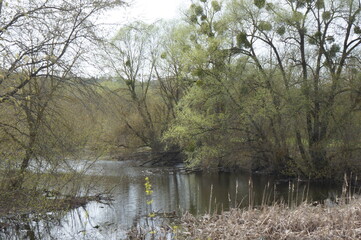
333, 218
329, 220
42, 194
147, 158
19, 202
306, 221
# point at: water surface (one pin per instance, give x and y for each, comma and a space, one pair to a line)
174, 192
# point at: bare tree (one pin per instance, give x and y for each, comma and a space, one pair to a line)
41, 43
150, 78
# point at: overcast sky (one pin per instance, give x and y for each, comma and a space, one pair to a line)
149, 10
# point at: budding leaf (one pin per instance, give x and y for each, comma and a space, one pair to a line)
163, 55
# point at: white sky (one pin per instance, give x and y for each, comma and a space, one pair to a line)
149, 11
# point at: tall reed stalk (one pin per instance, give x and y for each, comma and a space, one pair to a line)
210, 200
250, 194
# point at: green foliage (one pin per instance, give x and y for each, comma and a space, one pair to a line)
281, 30
220, 27
313, 40
297, 17
326, 15
198, 10
205, 28
242, 40
266, 105
265, 26
193, 18
128, 82
301, 3
216, 6
163, 55
335, 48
198, 72
270, 6
357, 30
319, 4
260, 3
196, 124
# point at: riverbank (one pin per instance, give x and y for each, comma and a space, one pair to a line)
14, 203
328, 221
149, 158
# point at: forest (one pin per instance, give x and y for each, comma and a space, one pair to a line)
264, 86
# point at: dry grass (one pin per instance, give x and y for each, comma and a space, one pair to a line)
277, 222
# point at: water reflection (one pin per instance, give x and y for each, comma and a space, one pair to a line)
174, 192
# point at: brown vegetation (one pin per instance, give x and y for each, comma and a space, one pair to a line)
278, 222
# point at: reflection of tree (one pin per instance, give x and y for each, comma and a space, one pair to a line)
29, 226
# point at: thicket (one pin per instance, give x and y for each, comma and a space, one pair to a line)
44, 119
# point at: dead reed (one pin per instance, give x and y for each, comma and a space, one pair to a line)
339, 219
278, 222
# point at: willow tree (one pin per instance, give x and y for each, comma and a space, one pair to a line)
304, 50
41, 43
206, 122
145, 63
294, 85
